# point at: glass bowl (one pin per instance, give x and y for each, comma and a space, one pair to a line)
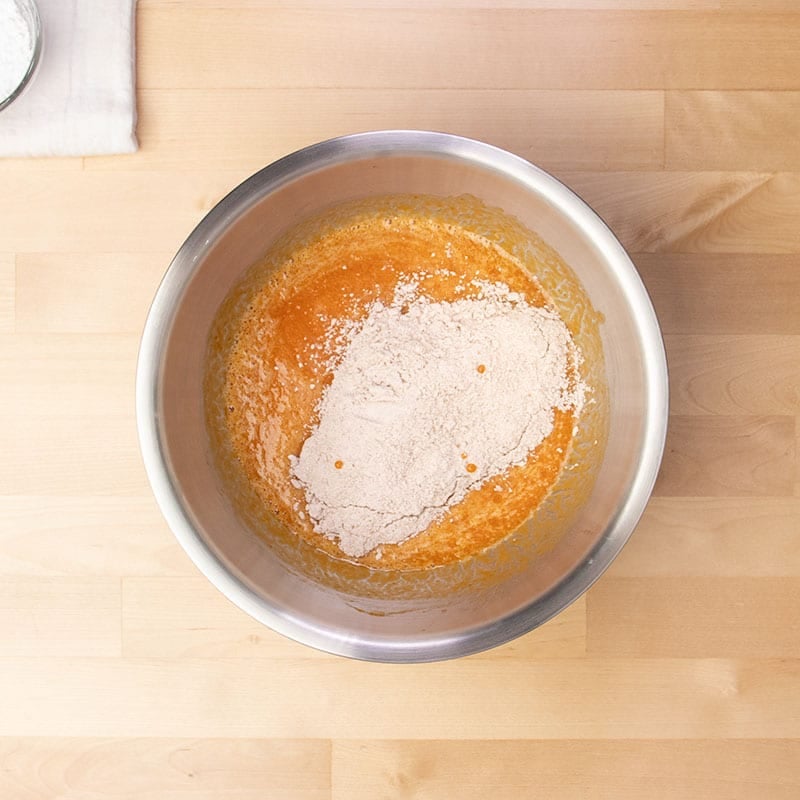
28, 13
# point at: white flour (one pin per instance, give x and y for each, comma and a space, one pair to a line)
16, 47
428, 401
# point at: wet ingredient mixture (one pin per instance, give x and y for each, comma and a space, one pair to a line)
401, 393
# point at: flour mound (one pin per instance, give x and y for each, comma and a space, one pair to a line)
428, 401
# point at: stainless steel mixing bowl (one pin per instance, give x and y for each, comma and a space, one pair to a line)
236, 233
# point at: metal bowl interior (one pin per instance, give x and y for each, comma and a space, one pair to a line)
235, 234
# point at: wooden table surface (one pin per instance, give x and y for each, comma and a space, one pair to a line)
124, 674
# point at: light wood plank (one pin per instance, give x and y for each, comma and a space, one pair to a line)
694, 617
573, 770
73, 434
87, 536
734, 374
723, 294
68, 376
797, 459
675, 211
188, 617
167, 769
50, 163
728, 456
248, 128
430, 48
733, 130
758, 5
7, 284
71, 455
709, 536
97, 212
696, 212
60, 617
320, 698
87, 292
614, 5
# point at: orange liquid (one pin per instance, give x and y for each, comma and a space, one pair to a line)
274, 375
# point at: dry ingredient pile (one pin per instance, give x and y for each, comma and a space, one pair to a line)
428, 401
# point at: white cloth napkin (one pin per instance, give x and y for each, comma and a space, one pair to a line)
82, 100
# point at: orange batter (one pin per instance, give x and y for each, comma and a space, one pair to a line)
275, 373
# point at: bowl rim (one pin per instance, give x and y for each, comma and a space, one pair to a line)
424, 647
